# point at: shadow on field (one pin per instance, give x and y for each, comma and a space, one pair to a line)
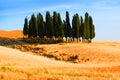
12, 41
9, 41
32, 45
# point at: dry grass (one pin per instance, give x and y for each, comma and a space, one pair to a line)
97, 61
11, 34
95, 52
103, 63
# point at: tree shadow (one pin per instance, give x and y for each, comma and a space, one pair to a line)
9, 41
19, 41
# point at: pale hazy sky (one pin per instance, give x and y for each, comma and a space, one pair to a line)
105, 13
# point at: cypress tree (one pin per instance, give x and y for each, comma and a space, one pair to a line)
92, 29
75, 26
65, 29
25, 28
40, 24
60, 26
30, 29
55, 24
68, 26
34, 26
81, 29
49, 25
86, 27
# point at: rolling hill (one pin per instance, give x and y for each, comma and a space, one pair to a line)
103, 61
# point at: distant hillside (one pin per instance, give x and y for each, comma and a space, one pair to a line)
11, 34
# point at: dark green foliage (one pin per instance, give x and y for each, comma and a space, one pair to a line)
60, 40
25, 28
68, 26
60, 26
93, 32
40, 24
75, 26
65, 28
86, 30
49, 25
30, 29
54, 29
81, 27
34, 26
92, 29
55, 24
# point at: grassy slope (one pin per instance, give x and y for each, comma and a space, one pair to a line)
30, 66
103, 64
11, 34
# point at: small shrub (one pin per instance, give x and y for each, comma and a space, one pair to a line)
8, 69
60, 39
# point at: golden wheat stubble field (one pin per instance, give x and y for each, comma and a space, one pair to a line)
97, 61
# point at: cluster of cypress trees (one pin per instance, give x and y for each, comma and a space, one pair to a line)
53, 26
